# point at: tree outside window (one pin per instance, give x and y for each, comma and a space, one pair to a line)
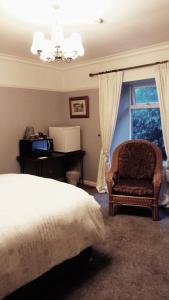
145, 116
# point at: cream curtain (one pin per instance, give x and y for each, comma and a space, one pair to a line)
109, 99
162, 82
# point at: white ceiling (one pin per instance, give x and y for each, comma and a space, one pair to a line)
128, 24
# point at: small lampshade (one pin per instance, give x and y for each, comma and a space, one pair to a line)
76, 42
37, 44
57, 36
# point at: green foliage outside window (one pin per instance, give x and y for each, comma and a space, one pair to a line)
146, 122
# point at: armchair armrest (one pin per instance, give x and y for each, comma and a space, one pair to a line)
157, 178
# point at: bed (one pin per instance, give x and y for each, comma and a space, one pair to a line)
43, 222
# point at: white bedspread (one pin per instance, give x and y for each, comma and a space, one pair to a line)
42, 223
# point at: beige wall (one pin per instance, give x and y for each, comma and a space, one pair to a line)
25, 107
90, 141
20, 108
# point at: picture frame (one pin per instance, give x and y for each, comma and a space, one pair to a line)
79, 107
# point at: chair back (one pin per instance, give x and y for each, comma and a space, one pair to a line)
136, 160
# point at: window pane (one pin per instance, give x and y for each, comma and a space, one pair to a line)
146, 94
146, 124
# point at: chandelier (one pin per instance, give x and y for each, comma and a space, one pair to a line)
58, 48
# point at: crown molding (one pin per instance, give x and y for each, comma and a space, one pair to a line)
74, 76
29, 61
28, 87
74, 65
79, 88
120, 55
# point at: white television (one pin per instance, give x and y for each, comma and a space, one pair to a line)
65, 139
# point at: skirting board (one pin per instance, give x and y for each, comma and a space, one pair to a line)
90, 183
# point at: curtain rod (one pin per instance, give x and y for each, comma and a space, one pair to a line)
128, 68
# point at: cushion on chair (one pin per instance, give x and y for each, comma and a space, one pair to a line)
133, 187
136, 161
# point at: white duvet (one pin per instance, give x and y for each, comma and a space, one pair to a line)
42, 223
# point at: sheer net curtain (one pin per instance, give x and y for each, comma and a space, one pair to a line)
109, 99
162, 82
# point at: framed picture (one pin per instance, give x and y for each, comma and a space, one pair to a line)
79, 107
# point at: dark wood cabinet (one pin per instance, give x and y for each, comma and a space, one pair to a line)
54, 166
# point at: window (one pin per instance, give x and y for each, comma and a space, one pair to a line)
145, 116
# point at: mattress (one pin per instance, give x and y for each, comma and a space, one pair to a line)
43, 222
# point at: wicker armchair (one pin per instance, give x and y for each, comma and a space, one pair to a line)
135, 176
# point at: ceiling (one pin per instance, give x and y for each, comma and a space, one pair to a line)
128, 24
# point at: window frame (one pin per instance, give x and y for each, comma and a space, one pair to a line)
134, 105
148, 105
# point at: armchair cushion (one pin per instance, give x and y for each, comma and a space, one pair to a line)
134, 187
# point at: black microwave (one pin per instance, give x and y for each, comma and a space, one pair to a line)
36, 147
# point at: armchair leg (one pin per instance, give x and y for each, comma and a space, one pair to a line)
155, 214
111, 209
